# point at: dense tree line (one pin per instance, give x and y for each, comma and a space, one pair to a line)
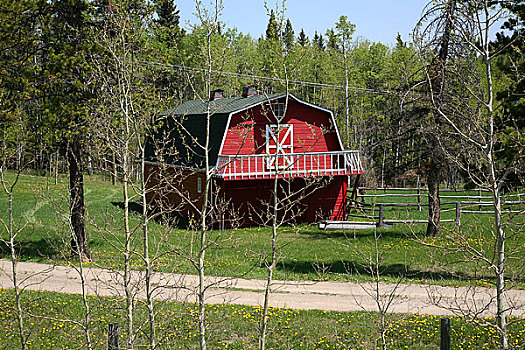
51, 80
48, 63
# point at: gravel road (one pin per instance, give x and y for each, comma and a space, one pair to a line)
336, 296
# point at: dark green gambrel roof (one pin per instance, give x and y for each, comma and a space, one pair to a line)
221, 105
182, 130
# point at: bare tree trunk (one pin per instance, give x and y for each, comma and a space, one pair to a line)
114, 173
12, 232
204, 209
14, 260
127, 243
433, 176
56, 167
146, 257
347, 108
263, 327
468, 28
501, 313
202, 289
79, 244
203, 243
383, 169
85, 303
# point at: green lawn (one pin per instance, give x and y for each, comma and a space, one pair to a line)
305, 252
232, 327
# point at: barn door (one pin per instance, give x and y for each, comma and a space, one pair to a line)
279, 140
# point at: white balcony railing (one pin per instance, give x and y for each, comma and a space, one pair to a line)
260, 166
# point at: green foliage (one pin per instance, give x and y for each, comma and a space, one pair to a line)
510, 63
68, 95
273, 27
55, 66
288, 37
303, 39
167, 14
344, 30
19, 41
319, 41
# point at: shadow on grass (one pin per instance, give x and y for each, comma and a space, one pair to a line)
134, 207
357, 268
357, 234
41, 249
172, 220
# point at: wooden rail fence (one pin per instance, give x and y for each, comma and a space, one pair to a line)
460, 207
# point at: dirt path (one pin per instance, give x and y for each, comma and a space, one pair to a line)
336, 296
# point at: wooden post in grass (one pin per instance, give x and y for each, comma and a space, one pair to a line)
445, 334
381, 218
418, 193
479, 195
113, 336
458, 214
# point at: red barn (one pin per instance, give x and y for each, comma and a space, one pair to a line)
253, 139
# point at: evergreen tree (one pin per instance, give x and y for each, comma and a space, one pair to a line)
303, 39
332, 39
68, 96
272, 30
319, 41
288, 36
167, 13
399, 42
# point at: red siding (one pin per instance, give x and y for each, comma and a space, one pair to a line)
249, 199
313, 130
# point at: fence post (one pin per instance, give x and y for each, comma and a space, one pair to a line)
445, 334
479, 192
113, 336
418, 193
458, 214
381, 218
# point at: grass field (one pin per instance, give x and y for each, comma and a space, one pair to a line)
40, 210
305, 251
233, 327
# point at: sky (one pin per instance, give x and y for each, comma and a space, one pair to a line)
375, 20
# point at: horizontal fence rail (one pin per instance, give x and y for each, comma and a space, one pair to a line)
463, 205
266, 166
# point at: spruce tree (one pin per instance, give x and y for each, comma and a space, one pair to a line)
332, 39
319, 41
67, 99
272, 30
288, 36
303, 39
168, 14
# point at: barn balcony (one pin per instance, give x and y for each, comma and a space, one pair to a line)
264, 166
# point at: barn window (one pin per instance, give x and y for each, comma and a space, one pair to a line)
279, 141
278, 110
199, 185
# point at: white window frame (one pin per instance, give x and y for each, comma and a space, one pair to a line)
279, 147
199, 185
278, 110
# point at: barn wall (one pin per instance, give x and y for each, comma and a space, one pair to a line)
313, 130
171, 191
248, 200
330, 201
245, 202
